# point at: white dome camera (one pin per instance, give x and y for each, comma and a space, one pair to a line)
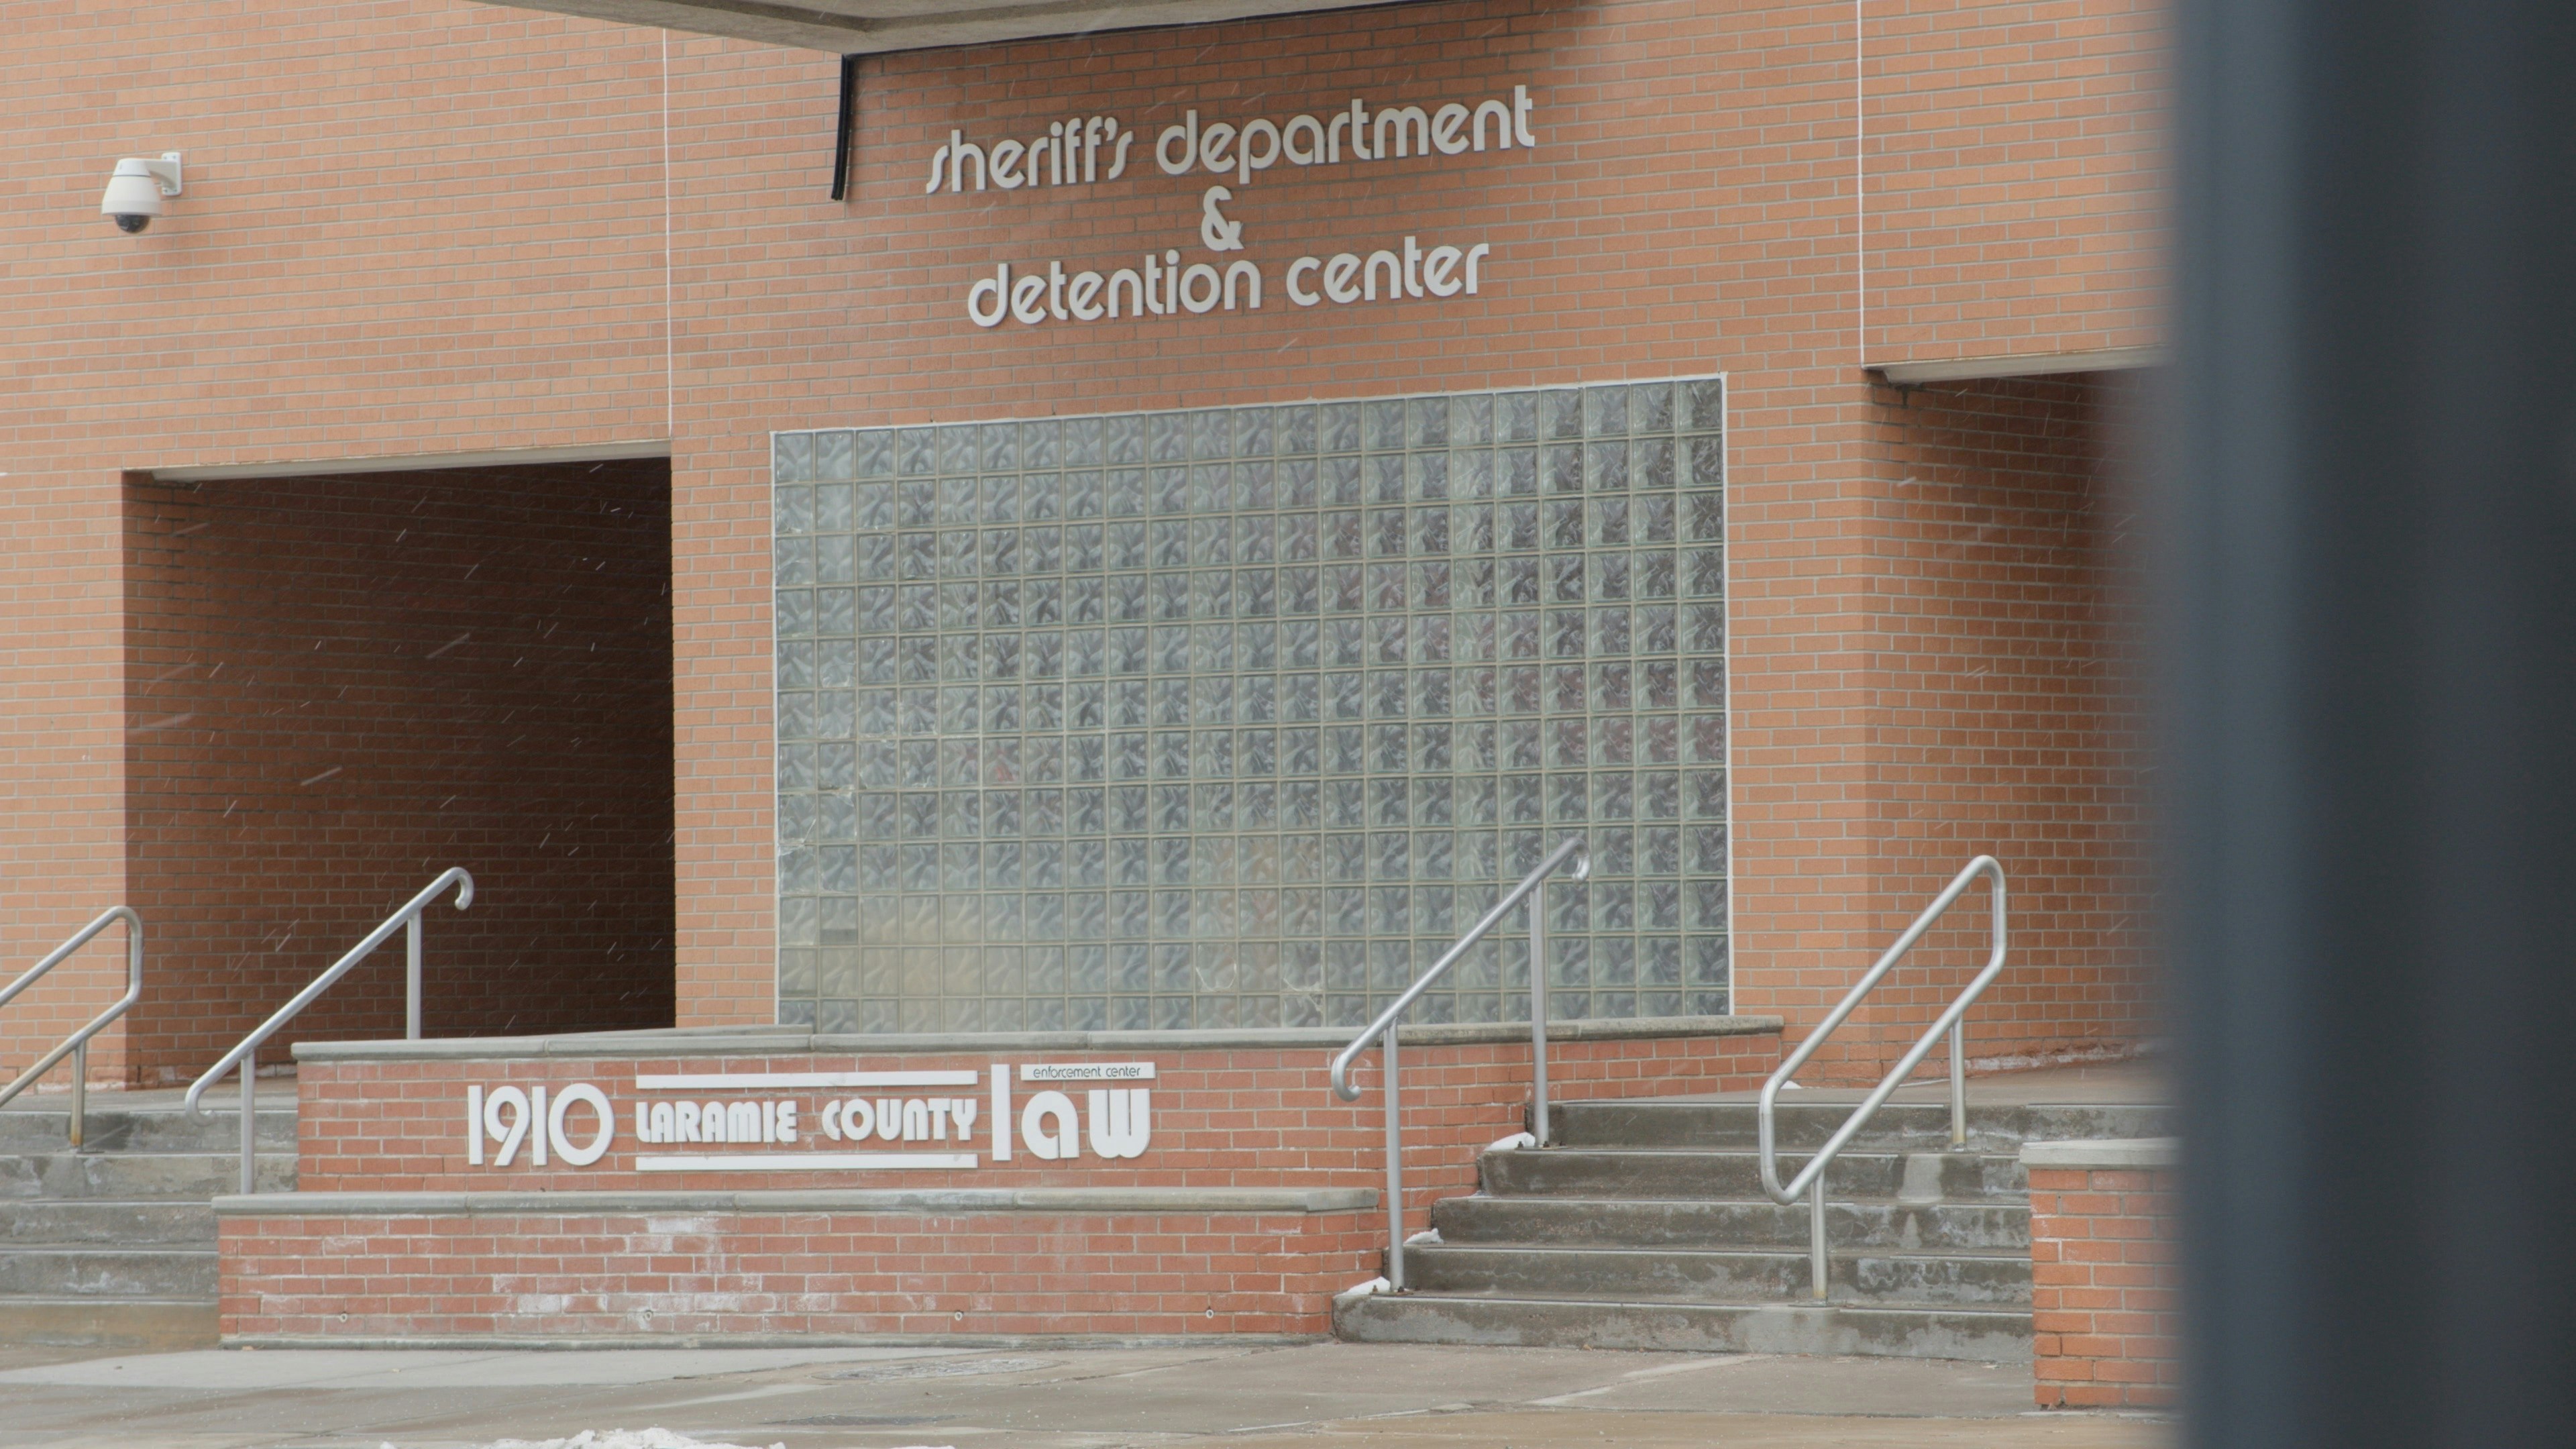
134, 193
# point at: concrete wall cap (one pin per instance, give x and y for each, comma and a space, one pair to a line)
866, 29
595, 1342
932, 1202
797, 1041
2104, 1154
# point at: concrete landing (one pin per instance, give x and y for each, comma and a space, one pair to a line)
2132, 1083
1288, 1397
52, 1095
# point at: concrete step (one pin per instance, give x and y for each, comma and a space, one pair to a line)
130, 1175
91, 1270
175, 1222
112, 1127
1733, 1173
1633, 1222
1714, 1275
130, 1325
1650, 1122
1993, 1335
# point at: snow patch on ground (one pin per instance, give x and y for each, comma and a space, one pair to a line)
616, 1440
656, 1438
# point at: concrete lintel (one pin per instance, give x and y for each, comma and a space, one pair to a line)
2107, 1154
2037, 364
418, 462
797, 1041
853, 27
925, 1202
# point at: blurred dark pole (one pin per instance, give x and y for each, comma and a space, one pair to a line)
2370, 614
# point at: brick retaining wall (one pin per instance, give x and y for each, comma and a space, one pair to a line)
394, 1226
2103, 1275
761, 1273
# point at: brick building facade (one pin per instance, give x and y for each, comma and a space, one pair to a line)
424, 233
1133, 576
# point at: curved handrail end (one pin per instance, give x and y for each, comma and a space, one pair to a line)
115, 1011
1766, 1149
1575, 847
245, 1053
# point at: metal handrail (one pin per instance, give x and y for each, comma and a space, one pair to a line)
1533, 886
1811, 1179
242, 1054
77, 1044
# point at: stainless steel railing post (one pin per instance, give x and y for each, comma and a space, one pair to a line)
1394, 1173
1538, 1010
1959, 1084
80, 1092
411, 979
1816, 1237
249, 1125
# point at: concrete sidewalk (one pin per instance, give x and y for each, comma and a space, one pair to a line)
1245, 1396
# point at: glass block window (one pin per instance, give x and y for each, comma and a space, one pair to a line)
1239, 717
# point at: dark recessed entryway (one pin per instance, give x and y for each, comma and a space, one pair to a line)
338, 686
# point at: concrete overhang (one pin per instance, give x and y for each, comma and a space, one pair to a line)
2028, 364
851, 27
410, 462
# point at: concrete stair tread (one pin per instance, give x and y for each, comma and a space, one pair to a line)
1717, 1274
230, 1153
109, 1270
7, 1203
1851, 1224
1921, 1095
93, 1321
1898, 1126
153, 1156
142, 1130
22, 1246
130, 1174
1668, 1173
1917, 1096
1731, 1150
1575, 1200
9, 1301
2004, 1313
1999, 1255
1790, 1326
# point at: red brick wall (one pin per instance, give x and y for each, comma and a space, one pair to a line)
2017, 176
2011, 716
758, 1273
2103, 1281
344, 685
1991, 703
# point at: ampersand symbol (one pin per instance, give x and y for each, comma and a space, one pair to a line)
1215, 232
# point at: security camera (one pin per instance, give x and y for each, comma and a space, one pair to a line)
134, 193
